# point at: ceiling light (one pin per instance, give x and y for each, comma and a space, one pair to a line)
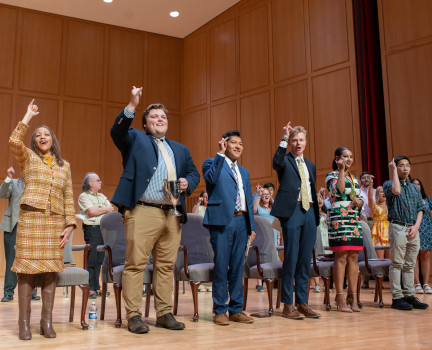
108, 1
174, 13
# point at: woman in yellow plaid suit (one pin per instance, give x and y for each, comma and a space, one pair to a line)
46, 219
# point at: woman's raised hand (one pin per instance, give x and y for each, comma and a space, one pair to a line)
32, 110
340, 164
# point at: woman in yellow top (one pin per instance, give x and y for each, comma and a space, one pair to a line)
46, 219
380, 228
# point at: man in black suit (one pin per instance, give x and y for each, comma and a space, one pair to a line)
296, 207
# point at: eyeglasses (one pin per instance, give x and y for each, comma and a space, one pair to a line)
406, 166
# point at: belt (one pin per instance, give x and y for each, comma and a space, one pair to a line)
238, 213
400, 223
84, 225
310, 203
156, 205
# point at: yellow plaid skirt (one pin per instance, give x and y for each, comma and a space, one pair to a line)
38, 242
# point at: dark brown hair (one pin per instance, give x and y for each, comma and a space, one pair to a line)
55, 148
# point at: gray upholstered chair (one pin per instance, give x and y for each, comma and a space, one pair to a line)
194, 260
73, 276
371, 265
263, 262
112, 229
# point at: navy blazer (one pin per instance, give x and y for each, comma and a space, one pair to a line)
140, 160
222, 192
290, 184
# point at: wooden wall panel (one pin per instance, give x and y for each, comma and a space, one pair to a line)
289, 46
125, 63
222, 119
83, 75
40, 53
222, 60
405, 21
8, 23
80, 148
254, 48
195, 71
194, 136
164, 75
328, 32
333, 118
256, 132
174, 127
291, 104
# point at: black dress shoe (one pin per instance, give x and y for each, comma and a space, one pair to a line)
168, 321
7, 298
417, 304
137, 326
35, 297
401, 304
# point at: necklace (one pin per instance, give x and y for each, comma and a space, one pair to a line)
350, 179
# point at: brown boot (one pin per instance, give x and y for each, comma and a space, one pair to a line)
353, 302
341, 304
307, 311
49, 283
289, 311
25, 289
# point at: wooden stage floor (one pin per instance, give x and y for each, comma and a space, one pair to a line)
372, 328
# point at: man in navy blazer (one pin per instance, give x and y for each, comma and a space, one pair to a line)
230, 219
296, 207
148, 159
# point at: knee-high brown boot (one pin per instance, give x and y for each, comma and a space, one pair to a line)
49, 282
25, 289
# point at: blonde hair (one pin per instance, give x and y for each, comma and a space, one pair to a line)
377, 192
297, 130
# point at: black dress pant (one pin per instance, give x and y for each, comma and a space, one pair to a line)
93, 236
10, 280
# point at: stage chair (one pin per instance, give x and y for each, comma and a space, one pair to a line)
371, 265
73, 276
112, 268
263, 262
194, 262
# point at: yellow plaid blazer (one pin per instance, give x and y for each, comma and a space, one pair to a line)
43, 182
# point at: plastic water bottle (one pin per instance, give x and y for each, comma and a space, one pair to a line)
92, 321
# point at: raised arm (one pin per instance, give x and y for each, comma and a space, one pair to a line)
5, 187
396, 188
278, 158
257, 199
371, 201
212, 167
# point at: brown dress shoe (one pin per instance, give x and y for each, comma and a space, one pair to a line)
241, 317
221, 319
289, 311
307, 311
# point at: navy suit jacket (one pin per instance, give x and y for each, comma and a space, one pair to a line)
222, 192
290, 184
140, 160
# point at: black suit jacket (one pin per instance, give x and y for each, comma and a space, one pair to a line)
290, 184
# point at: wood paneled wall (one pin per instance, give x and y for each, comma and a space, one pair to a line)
266, 62
81, 74
406, 50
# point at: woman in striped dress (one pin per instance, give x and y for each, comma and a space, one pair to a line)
46, 219
344, 227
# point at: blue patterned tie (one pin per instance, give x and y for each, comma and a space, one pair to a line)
238, 200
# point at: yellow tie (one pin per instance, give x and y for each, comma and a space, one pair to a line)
304, 192
169, 165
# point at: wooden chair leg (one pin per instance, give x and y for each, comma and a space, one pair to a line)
72, 304
245, 292
104, 291
359, 283
117, 294
176, 295
269, 284
326, 281
148, 294
85, 288
279, 293
194, 286
379, 282
376, 292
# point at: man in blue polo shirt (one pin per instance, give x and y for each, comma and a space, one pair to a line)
405, 213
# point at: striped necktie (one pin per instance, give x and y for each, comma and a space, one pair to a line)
169, 165
304, 192
238, 200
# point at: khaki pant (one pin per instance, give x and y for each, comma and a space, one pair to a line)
150, 230
403, 255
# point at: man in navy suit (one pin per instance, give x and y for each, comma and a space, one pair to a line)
296, 206
148, 159
230, 219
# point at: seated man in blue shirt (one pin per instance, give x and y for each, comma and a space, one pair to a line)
405, 212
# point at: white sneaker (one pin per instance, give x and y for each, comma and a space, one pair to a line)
427, 289
317, 288
419, 290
